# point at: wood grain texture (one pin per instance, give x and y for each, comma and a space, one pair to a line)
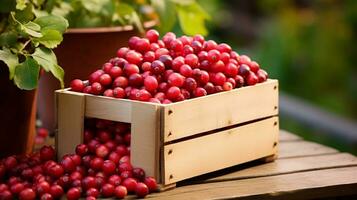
70, 119
292, 165
145, 129
108, 108
215, 111
303, 148
303, 185
220, 150
285, 136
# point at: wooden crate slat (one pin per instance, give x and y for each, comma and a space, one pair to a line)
220, 110
108, 108
292, 165
287, 136
70, 119
303, 185
303, 148
145, 142
220, 150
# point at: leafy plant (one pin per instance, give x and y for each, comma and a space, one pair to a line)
103, 13
27, 36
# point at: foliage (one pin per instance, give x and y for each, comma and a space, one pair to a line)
104, 13
27, 36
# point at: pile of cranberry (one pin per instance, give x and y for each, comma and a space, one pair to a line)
100, 168
170, 70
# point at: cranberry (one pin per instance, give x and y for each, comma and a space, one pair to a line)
114, 180
87, 89
176, 79
27, 173
3, 187
27, 194
97, 88
173, 93
139, 173
64, 181
68, 164
151, 83
232, 81
125, 166
225, 57
157, 67
218, 66
161, 51
81, 149
176, 45
219, 79
198, 92
107, 67
102, 151
73, 194
130, 69
209, 45
154, 46
149, 57
231, 70
151, 183
141, 190
105, 79
243, 70
186, 70
97, 163
56, 171
120, 192
190, 84
252, 79
92, 192
262, 75
243, 59
77, 85
130, 184
168, 37
121, 150
108, 190
46, 196
108, 93
46, 153
239, 81
160, 96
16, 188
109, 167
88, 182
126, 174
135, 80
94, 77
121, 81
223, 47
122, 52
177, 63
142, 45
227, 86
166, 59
152, 35
56, 191
75, 176
192, 60
166, 101
76, 159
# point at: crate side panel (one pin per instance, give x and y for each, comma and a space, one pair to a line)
223, 149
145, 132
108, 108
70, 119
220, 110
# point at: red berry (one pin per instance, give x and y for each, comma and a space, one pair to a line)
243, 59
213, 56
114, 180
154, 100
121, 81
166, 59
126, 174
97, 163
142, 45
150, 83
81, 149
262, 75
160, 96
244, 70
219, 79
107, 67
133, 57
166, 101
27, 173
232, 81
190, 84
176, 45
149, 57
192, 60
73, 194
3, 187
130, 69
139, 173
176, 79
161, 51
108, 93
227, 86
173, 93
125, 166
130, 184
168, 38
135, 80
115, 72
88, 182
197, 46
186, 70
152, 35
223, 47
46, 153
141, 190
239, 81
77, 85
108, 190
177, 63
68, 164
97, 88
92, 192
56, 191
157, 67
75, 176
87, 89
102, 151
16, 188
120, 192
109, 167
27, 194
105, 79
198, 92
218, 67
252, 79
94, 77
231, 70
209, 45
154, 46
122, 52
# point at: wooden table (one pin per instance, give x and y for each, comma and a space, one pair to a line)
304, 170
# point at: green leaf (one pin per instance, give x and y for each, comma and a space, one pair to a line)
26, 74
47, 60
21, 4
50, 38
192, 19
8, 39
32, 29
52, 22
25, 15
7, 5
166, 11
10, 59
63, 9
95, 6
183, 2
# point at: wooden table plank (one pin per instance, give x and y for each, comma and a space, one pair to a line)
287, 136
303, 185
303, 148
291, 165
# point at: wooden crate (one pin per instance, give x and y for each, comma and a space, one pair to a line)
181, 140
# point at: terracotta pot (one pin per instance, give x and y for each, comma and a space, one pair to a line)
17, 116
82, 51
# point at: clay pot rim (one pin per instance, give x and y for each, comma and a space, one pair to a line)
148, 24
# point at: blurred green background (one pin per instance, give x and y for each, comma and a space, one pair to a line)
310, 46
